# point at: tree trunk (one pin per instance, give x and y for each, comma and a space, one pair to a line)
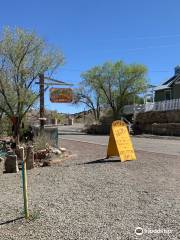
95, 116
17, 131
115, 113
98, 113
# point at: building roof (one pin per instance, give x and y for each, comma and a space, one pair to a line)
168, 83
161, 87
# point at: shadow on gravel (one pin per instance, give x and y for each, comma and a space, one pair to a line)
101, 161
11, 221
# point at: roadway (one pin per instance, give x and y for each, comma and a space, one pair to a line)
162, 145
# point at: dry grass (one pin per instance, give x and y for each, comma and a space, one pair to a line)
42, 142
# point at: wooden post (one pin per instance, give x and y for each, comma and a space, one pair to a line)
41, 92
24, 178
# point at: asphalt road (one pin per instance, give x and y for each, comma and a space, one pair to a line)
166, 146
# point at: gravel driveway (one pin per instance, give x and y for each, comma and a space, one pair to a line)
89, 198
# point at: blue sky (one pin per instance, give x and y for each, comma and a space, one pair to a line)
90, 32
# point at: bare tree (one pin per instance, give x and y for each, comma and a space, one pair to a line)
90, 98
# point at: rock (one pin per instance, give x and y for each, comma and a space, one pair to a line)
19, 153
1, 165
56, 151
11, 164
10, 152
62, 150
30, 158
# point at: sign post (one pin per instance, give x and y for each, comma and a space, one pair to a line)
120, 142
41, 94
42, 89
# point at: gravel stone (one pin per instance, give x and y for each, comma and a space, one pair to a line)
89, 198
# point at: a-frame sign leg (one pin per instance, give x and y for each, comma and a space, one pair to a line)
112, 146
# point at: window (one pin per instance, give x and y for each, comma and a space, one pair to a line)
168, 94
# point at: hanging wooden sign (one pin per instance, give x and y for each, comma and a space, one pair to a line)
120, 143
61, 95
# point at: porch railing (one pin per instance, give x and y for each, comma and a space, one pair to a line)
168, 105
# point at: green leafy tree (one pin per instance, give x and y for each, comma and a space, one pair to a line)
116, 83
23, 56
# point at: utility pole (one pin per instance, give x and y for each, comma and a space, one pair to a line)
41, 93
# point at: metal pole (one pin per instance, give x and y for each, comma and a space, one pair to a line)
24, 178
41, 92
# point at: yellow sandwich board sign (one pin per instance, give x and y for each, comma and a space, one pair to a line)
120, 142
